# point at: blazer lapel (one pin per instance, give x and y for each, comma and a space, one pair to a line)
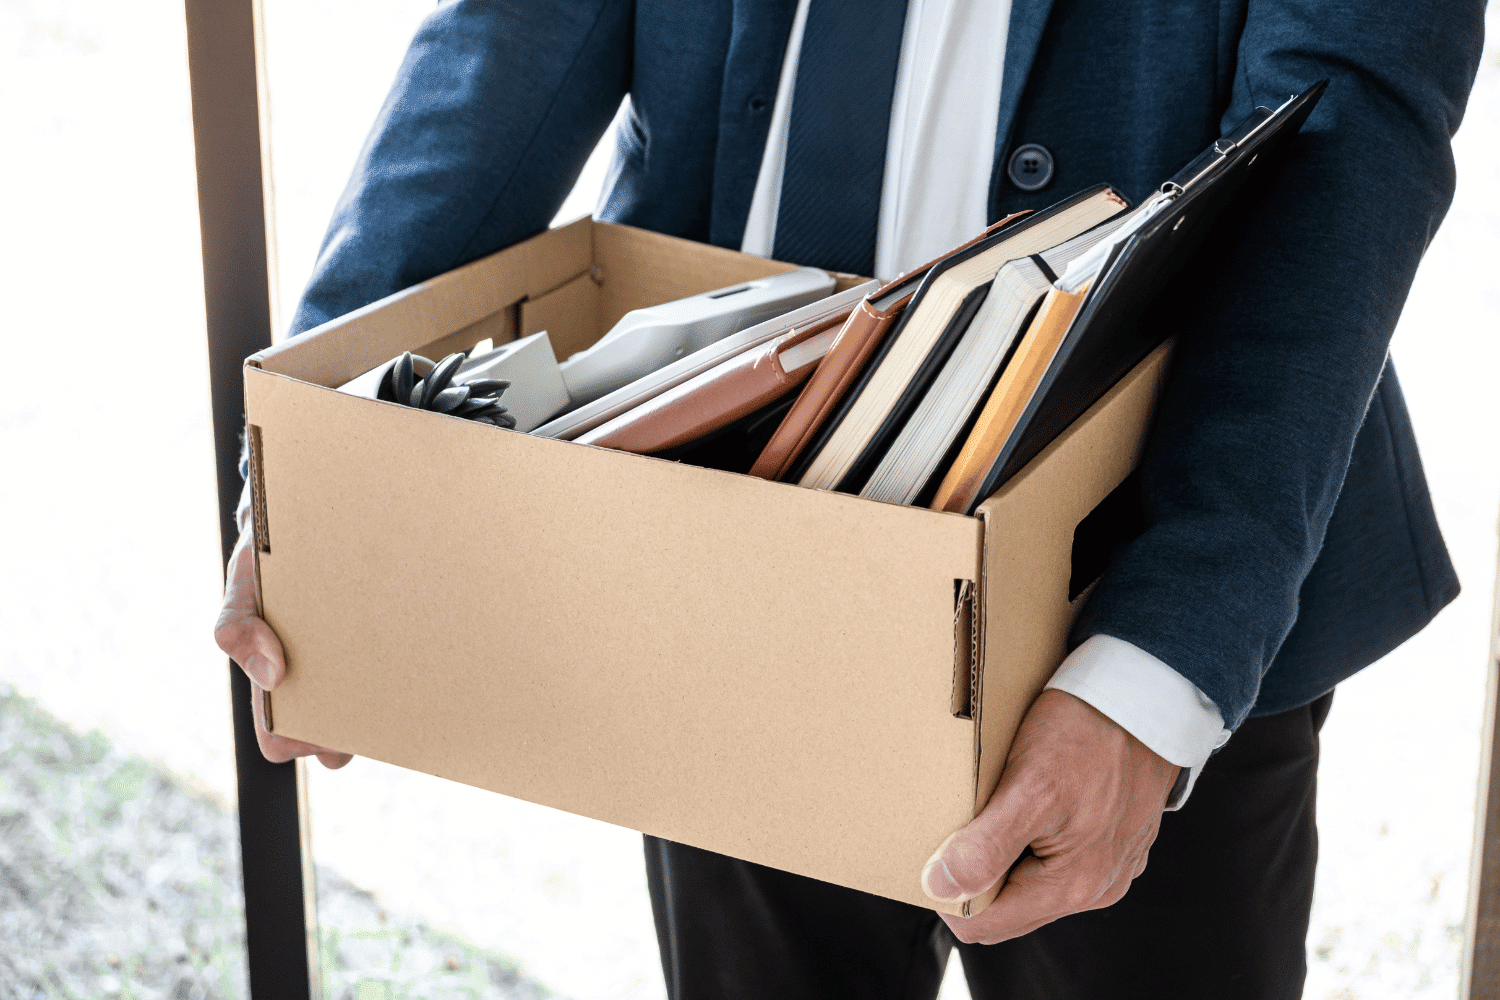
1027, 19
752, 71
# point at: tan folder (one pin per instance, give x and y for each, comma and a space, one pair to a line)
997, 421
862, 333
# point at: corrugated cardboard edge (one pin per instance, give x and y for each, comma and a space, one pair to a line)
1028, 540
439, 309
965, 648
342, 348
259, 519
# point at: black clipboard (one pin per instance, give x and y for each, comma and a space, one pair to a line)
1104, 341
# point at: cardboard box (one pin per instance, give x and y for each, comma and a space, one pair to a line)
807, 680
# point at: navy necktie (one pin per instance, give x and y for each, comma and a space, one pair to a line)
835, 150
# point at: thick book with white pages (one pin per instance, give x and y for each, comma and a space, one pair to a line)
914, 352
917, 454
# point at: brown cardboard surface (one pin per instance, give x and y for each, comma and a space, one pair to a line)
642, 268
340, 349
569, 314
731, 663
498, 328
751, 667
1029, 527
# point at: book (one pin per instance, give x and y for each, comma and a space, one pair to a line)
997, 421
733, 448
860, 336
915, 350
645, 340
910, 463
1086, 336
585, 418
720, 396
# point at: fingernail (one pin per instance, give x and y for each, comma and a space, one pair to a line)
259, 667
938, 883
937, 880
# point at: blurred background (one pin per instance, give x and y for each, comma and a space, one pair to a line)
119, 867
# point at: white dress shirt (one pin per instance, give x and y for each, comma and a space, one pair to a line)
939, 156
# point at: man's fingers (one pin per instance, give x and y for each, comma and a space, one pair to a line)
239, 577
1032, 896
980, 854
1084, 794
250, 642
241, 632
963, 867
1038, 892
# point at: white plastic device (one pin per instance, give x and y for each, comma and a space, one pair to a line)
585, 418
647, 339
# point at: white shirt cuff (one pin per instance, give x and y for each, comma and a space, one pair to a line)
1149, 700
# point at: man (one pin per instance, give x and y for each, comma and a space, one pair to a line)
1290, 540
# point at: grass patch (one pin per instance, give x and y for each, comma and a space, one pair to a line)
118, 879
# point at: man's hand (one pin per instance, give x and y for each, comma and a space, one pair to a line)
249, 641
1084, 794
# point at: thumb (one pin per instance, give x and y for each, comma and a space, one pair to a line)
976, 857
241, 632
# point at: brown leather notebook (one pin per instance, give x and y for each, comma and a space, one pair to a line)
862, 333
718, 397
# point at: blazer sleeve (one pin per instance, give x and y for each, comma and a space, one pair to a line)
1279, 351
494, 111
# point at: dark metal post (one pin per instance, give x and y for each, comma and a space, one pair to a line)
222, 65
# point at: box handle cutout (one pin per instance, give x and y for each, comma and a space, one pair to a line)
965, 650
1119, 518
258, 492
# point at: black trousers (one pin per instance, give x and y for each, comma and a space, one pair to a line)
1221, 910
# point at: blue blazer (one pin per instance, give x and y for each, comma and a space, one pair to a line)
1290, 538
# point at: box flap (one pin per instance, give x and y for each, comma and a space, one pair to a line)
342, 348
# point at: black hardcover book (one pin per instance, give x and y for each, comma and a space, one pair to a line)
820, 439
859, 473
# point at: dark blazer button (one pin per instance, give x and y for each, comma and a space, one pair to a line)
1031, 167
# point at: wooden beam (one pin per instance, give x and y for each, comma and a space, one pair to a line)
227, 79
1481, 962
